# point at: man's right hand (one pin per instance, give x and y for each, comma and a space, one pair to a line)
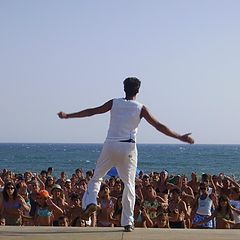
62, 115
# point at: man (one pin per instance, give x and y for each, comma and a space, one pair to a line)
119, 149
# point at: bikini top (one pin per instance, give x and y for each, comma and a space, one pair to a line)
43, 212
107, 203
224, 215
11, 205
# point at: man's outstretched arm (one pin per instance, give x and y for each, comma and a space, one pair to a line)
87, 112
163, 129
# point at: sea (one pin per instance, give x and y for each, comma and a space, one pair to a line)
176, 159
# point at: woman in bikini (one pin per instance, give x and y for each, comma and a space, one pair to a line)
141, 218
116, 217
45, 210
177, 210
106, 207
13, 205
162, 188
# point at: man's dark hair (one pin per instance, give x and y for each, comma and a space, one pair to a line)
75, 196
131, 86
43, 172
89, 173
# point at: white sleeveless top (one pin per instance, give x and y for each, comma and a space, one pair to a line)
124, 120
205, 206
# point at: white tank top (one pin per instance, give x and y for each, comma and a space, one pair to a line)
205, 206
124, 120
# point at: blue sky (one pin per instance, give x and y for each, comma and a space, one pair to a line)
69, 55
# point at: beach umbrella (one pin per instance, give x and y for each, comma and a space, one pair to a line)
113, 172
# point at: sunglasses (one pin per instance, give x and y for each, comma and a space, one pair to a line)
10, 188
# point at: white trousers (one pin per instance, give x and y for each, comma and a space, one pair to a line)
123, 156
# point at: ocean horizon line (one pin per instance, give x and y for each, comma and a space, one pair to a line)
139, 143
176, 158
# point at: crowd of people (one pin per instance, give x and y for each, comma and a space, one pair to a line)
162, 200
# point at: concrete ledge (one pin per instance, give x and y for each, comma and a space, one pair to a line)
70, 233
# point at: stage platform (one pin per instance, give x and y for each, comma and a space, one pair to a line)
70, 233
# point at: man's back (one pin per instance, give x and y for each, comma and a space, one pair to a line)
125, 117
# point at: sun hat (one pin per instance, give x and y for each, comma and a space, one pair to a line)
146, 176
56, 186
